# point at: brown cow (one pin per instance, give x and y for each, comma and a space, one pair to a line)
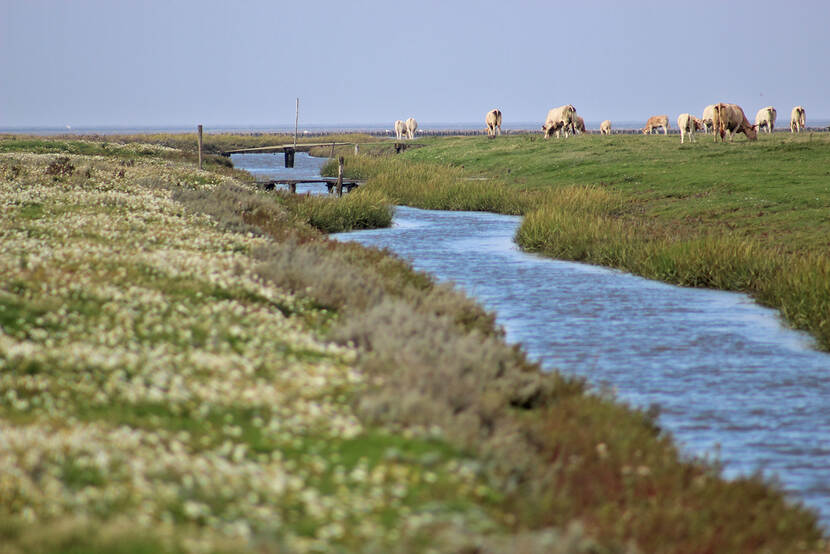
730, 118
656, 121
578, 126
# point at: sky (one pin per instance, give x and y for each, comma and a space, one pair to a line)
159, 63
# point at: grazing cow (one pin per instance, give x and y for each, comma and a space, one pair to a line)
766, 117
798, 119
686, 123
698, 124
730, 118
400, 129
605, 127
707, 117
656, 121
493, 121
411, 126
578, 126
559, 119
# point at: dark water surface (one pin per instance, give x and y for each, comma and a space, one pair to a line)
731, 381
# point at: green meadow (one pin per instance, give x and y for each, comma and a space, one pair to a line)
741, 216
188, 364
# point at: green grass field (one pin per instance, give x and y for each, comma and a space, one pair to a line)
752, 217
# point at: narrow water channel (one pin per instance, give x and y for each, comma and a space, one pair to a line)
730, 380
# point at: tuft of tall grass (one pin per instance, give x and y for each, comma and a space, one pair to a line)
356, 210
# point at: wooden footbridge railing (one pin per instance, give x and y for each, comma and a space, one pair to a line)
290, 149
330, 182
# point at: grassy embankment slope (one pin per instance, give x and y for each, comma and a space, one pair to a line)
752, 217
186, 365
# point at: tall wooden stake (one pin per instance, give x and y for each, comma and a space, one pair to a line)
340, 162
200, 147
296, 121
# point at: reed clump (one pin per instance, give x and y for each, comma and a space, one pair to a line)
355, 210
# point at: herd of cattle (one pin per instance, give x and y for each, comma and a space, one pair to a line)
722, 118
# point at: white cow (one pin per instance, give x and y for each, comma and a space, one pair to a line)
798, 119
493, 122
400, 129
686, 123
411, 127
559, 119
707, 117
605, 127
766, 117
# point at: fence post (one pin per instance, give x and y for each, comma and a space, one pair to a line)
200, 146
340, 163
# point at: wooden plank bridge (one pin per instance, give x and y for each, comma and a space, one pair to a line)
287, 149
330, 182
290, 149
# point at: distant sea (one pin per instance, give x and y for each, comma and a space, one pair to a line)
813, 124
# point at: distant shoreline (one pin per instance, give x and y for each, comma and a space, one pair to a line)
378, 129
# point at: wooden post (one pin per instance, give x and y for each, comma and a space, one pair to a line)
356, 149
332, 151
200, 146
289, 156
296, 122
292, 187
340, 163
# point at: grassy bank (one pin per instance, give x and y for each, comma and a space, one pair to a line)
187, 365
749, 217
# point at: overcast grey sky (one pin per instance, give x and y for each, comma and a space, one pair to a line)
182, 62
